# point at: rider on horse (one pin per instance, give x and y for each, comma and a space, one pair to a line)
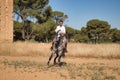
60, 31
59, 44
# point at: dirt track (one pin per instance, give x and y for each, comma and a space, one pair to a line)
34, 68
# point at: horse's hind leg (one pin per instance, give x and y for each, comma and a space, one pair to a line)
56, 57
50, 58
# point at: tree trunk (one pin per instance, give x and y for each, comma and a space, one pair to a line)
23, 30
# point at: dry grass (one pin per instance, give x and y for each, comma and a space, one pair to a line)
24, 49
95, 50
75, 50
22, 67
68, 71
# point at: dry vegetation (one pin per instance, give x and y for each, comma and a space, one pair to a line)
95, 50
34, 68
75, 50
27, 61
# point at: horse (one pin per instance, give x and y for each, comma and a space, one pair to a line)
58, 49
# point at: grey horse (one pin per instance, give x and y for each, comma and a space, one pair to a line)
58, 49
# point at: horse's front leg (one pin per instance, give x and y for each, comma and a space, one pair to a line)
50, 57
56, 57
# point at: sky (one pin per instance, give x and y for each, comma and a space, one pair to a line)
81, 11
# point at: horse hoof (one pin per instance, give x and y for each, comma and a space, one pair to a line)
48, 63
59, 64
55, 63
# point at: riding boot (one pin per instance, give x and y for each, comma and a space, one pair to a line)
66, 48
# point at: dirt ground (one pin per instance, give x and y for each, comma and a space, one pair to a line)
35, 68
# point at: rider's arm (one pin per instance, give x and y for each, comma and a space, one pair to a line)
57, 29
63, 31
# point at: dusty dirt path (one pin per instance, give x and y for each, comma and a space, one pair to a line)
34, 68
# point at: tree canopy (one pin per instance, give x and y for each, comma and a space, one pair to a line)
28, 9
58, 15
39, 22
97, 29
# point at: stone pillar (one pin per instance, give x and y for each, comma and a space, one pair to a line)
6, 21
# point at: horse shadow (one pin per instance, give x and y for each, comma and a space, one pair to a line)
62, 64
58, 65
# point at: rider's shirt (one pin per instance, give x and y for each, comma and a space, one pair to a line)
61, 29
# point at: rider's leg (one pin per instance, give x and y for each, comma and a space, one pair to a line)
66, 47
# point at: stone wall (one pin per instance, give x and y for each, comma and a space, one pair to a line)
6, 21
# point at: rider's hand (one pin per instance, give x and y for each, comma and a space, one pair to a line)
58, 31
62, 34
